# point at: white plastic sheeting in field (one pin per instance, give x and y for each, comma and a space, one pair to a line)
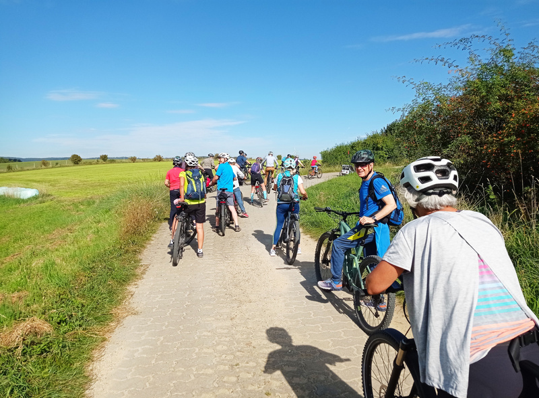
21, 193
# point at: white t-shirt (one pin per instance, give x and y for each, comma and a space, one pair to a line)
237, 172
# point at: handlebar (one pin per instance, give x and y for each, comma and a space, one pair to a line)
330, 210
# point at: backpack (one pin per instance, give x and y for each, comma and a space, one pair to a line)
196, 186
397, 215
286, 189
255, 168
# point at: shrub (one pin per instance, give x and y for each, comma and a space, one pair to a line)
75, 159
158, 158
104, 158
45, 163
9, 167
133, 159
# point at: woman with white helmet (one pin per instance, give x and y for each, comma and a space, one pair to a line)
237, 191
289, 202
468, 315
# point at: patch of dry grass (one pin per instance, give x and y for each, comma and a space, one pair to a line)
30, 328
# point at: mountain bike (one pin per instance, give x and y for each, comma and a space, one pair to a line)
269, 181
371, 315
184, 234
259, 193
290, 236
223, 212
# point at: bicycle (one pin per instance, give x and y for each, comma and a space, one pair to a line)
314, 173
183, 235
269, 180
259, 193
290, 236
223, 212
371, 316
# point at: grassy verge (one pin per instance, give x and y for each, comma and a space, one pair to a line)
66, 258
521, 236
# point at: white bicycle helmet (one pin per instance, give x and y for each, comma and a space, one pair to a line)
431, 175
232, 160
189, 154
224, 155
191, 161
289, 164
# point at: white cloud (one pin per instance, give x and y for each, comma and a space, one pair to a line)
182, 111
217, 104
436, 34
199, 136
72, 95
532, 22
107, 105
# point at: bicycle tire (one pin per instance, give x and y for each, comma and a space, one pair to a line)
318, 174
377, 364
176, 246
370, 318
260, 195
322, 256
268, 186
293, 242
222, 218
190, 233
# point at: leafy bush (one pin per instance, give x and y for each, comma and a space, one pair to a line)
104, 158
45, 163
75, 159
133, 159
9, 167
158, 158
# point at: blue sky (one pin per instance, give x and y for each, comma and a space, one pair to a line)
147, 77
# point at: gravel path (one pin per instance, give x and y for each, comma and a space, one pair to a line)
236, 323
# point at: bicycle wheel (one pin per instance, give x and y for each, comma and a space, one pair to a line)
377, 364
260, 195
318, 174
322, 256
178, 242
222, 218
190, 231
269, 184
370, 311
293, 242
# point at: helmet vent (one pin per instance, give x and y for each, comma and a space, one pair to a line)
442, 174
420, 168
424, 180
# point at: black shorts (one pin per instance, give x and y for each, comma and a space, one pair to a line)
256, 177
198, 211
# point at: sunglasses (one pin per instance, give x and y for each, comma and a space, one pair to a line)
362, 165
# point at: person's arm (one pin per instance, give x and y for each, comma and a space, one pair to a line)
301, 164
381, 277
182, 189
302, 191
240, 173
389, 206
167, 183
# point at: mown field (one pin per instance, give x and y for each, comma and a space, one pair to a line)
521, 237
66, 258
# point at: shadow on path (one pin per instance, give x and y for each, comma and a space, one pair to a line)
305, 367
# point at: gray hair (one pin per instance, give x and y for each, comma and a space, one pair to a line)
427, 202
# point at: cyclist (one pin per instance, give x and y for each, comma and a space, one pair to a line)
195, 208
314, 165
224, 178
208, 166
237, 191
256, 175
172, 181
468, 314
298, 163
271, 162
284, 207
370, 212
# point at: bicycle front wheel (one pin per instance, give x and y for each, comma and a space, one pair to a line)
222, 218
322, 256
177, 248
260, 195
293, 242
377, 364
319, 174
373, 312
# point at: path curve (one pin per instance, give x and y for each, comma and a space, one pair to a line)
236, 323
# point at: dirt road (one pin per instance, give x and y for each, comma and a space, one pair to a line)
236, 323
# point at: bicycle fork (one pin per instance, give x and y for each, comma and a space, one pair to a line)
398, 366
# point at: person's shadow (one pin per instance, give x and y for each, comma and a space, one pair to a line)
305, 367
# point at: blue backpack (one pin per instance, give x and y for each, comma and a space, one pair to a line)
196, 185
396, 217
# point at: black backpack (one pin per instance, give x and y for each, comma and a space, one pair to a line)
286, 189
397, 215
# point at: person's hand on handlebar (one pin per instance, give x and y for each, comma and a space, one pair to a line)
367, 220
178, 201
304, 196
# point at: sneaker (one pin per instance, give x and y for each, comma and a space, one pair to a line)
245, 215
299, 250
382, 306
237, 229
200, 254
329, 285
171, 243
272, 253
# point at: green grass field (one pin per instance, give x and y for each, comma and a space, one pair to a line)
65, 259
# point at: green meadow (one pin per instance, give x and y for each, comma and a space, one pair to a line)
66, 258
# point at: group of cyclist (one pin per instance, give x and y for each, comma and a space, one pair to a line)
469, 318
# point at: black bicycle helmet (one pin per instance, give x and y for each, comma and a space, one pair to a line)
177, 161
210, 155
241, 152
363, 156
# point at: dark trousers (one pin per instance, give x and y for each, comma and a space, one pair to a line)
174, 194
